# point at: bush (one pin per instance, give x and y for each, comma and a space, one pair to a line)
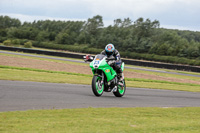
16, 41
2, 39
7, 42
28, 44
23, 41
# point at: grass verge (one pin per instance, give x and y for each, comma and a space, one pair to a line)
38, 75
84, 64
130, 70
167, 75
109, 120
45, 59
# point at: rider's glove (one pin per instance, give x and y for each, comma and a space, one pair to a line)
88, 58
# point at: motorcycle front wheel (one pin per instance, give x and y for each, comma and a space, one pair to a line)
97, 86
120, 90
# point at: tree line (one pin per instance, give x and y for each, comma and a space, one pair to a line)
140, 36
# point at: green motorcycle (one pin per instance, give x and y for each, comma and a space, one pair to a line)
105, 78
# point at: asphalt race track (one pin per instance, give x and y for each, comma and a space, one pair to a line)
20, 95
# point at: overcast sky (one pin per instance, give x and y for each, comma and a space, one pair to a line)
173, 14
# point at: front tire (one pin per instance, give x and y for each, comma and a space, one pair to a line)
97, 86
120, 90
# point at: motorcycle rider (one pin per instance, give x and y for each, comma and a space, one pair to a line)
111, 52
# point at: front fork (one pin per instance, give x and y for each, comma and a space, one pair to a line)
102, 78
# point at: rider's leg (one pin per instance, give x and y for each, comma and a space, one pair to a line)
120, 74
118, 69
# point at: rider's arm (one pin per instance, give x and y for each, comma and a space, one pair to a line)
117, 55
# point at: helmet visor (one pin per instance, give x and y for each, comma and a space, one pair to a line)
109, 53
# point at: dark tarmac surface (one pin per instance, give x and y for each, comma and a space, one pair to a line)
20, 95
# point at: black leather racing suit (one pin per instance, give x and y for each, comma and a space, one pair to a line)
116, 66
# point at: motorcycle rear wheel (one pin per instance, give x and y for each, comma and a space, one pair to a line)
120, 90
97, 86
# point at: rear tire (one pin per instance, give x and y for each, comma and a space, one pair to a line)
97, 87
120, 90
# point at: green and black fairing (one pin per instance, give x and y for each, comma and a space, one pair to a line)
99, 64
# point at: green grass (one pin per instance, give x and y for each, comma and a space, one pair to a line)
38, 75
100, 120
165, 86
41, 70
